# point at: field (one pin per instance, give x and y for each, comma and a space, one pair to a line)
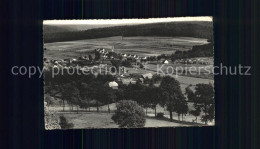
92, 119
103, 120
142, 46
184, 80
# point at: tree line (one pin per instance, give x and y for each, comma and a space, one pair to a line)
196, 51
172, 29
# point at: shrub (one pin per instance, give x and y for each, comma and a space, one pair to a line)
160, 115
64, 124
129, 114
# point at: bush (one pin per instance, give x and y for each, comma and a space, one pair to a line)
160, 115
129, 114
64, 124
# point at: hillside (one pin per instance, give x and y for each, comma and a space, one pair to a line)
173, 29
48, 29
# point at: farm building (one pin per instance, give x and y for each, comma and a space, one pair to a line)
113, 85
141, 80
138, 61
147, 75
165, 62
68, 60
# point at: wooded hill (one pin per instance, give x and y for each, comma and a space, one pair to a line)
200, 29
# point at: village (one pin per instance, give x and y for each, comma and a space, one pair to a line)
134, 68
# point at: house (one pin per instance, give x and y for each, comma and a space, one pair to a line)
103, 50
81, 58
141, 80
68, 60
144, 57
165, 62
113, 85
55, 62
147, 75
138, 61
86, 57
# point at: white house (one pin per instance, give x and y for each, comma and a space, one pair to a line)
147, 75
165, 62
113, 85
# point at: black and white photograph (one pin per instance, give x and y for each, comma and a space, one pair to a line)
128, 73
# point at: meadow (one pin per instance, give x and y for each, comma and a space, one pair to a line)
102, 119
142, 46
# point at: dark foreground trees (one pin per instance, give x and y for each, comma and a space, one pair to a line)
85, 91
203, 100
64, 124
173, 97
129, 114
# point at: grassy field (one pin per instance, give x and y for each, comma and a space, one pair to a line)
103, 120
142, 46
184, 80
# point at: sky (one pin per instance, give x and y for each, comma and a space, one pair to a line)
124, 21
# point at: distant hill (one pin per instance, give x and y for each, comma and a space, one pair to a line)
48, 29
61, 33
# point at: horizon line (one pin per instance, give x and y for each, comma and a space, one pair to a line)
125, 21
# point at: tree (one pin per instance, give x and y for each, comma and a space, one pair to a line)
156, 78
97, 55
104, 78
120, 94
158, 58
97, 93
85, 93
126, 63
181, 107
64, 123
129, 114
171, 92
116, 64
203, 100
143, 98
191, 97
90, 57
110, 96
205, 97
72, 95
196, 112
153, 97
